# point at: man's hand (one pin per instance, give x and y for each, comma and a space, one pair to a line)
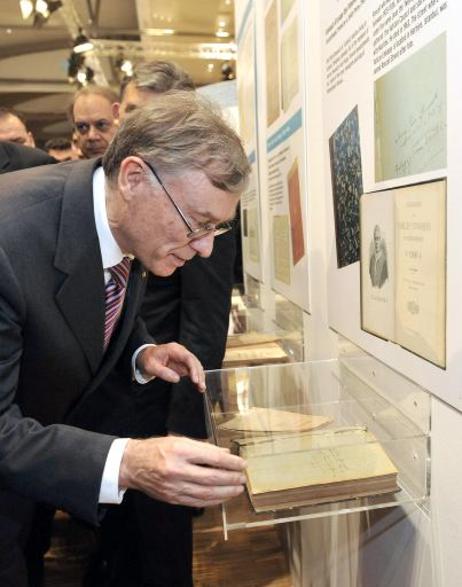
181, 471
170, 362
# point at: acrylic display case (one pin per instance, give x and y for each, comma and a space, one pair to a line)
341, 393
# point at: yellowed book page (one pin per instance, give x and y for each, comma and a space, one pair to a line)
305, 468
272, 64
250, 338
264, 353
289, 64
253, 235
421, 270
281, 248
258, 419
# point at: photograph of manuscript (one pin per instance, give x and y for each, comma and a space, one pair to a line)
272, 64
347, 187
289, 64
296, 216
403, 268
246, 87
281, 248
253, 241
410, 114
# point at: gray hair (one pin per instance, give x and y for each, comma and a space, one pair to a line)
158, 77
181, 131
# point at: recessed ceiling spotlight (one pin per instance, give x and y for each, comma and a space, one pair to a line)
26, 7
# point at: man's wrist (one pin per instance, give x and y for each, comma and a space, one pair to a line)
137, 372
110, 489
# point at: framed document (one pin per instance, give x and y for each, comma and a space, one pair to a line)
403, 268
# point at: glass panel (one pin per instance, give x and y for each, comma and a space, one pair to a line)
238, 401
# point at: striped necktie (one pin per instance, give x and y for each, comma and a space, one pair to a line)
114, 297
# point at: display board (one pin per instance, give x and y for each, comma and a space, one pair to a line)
281, 122
246, 88
387, 104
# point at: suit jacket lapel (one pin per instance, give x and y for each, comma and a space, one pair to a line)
81, 296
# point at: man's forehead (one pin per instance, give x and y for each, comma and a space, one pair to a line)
12, 122
93, 106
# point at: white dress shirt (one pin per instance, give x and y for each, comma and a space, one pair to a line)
111, 255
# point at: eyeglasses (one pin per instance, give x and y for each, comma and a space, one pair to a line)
203, 229
83, 128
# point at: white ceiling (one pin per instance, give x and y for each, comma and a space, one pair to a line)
33, 62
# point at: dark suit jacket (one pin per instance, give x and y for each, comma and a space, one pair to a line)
14, 157
191, 307
51, 336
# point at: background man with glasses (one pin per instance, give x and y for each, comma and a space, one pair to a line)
93, 115
66, 231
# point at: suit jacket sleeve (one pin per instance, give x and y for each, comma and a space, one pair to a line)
206, 286
57, 464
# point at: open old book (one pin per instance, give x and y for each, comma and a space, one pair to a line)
315, 467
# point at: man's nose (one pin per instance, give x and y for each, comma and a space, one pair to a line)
203, 245
93, 133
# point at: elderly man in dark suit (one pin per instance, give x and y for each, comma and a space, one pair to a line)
191, 307
75, 240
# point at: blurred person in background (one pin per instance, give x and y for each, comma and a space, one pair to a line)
13, 128
93, 113
61, 149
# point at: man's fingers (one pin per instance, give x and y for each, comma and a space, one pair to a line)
203, 496
165, 373
215, 457
207, 476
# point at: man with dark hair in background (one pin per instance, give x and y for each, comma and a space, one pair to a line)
17, 145
13, 128
61, 149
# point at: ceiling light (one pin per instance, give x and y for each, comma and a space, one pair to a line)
82, 43
222, 34
41, 6
26, 7
127, 67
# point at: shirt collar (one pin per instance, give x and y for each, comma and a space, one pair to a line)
111, 253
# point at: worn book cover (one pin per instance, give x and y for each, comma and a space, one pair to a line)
316, 467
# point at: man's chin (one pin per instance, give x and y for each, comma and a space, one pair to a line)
163, 270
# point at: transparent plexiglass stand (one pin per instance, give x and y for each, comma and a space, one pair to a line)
351, 392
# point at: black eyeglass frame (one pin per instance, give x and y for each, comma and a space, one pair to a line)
193, 233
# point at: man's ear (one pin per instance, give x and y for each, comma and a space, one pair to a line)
116, 111
131, 176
